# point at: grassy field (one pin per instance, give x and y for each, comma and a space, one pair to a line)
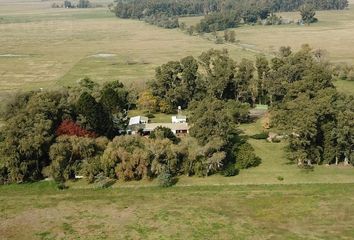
311, 211
334, 33
42, 47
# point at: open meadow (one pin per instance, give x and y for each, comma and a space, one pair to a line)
333, 33
310, 211
44, 47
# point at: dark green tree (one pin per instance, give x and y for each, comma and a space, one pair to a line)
96, 118
308, 13
28, 135
209, 119
162, 133
219, 79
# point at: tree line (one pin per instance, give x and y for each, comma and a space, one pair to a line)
219, 14
71, 4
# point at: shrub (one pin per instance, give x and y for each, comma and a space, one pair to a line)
262, 135
305, 168
165, 179
246, 158
280, 178
230, 171
164, 132
150, 115
70, 128
3, 175
219, 40
91, 168
62, 186
103, 181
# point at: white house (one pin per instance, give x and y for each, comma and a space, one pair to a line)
138, 120
179, 119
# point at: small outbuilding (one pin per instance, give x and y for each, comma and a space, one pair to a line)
179, 119
138, 120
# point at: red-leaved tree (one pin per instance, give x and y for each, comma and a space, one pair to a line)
70, 128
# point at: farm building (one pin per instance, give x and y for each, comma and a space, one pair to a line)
138, 120
179, 119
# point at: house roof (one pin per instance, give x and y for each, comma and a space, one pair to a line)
180, 117
137, 120
172, 126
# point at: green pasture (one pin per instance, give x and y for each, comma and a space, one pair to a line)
301, 211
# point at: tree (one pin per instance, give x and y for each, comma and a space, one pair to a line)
244, 77
126, 158
162, 133
250, 15
147, 101
70, 153
67, 4
210, 118
114, 98
83, 4
163, 158
262, 67
70, 128
284, 51
195, 159
226, 35
166, 179
28, 134
246, 158
232, 36
176, 82
219, 79
344, 132
96, 118
308, 13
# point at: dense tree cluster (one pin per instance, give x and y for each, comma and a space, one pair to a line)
213, 74
218, 21
34, 120
318, 120
219, 14
76, 131
288, 82
71, 4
